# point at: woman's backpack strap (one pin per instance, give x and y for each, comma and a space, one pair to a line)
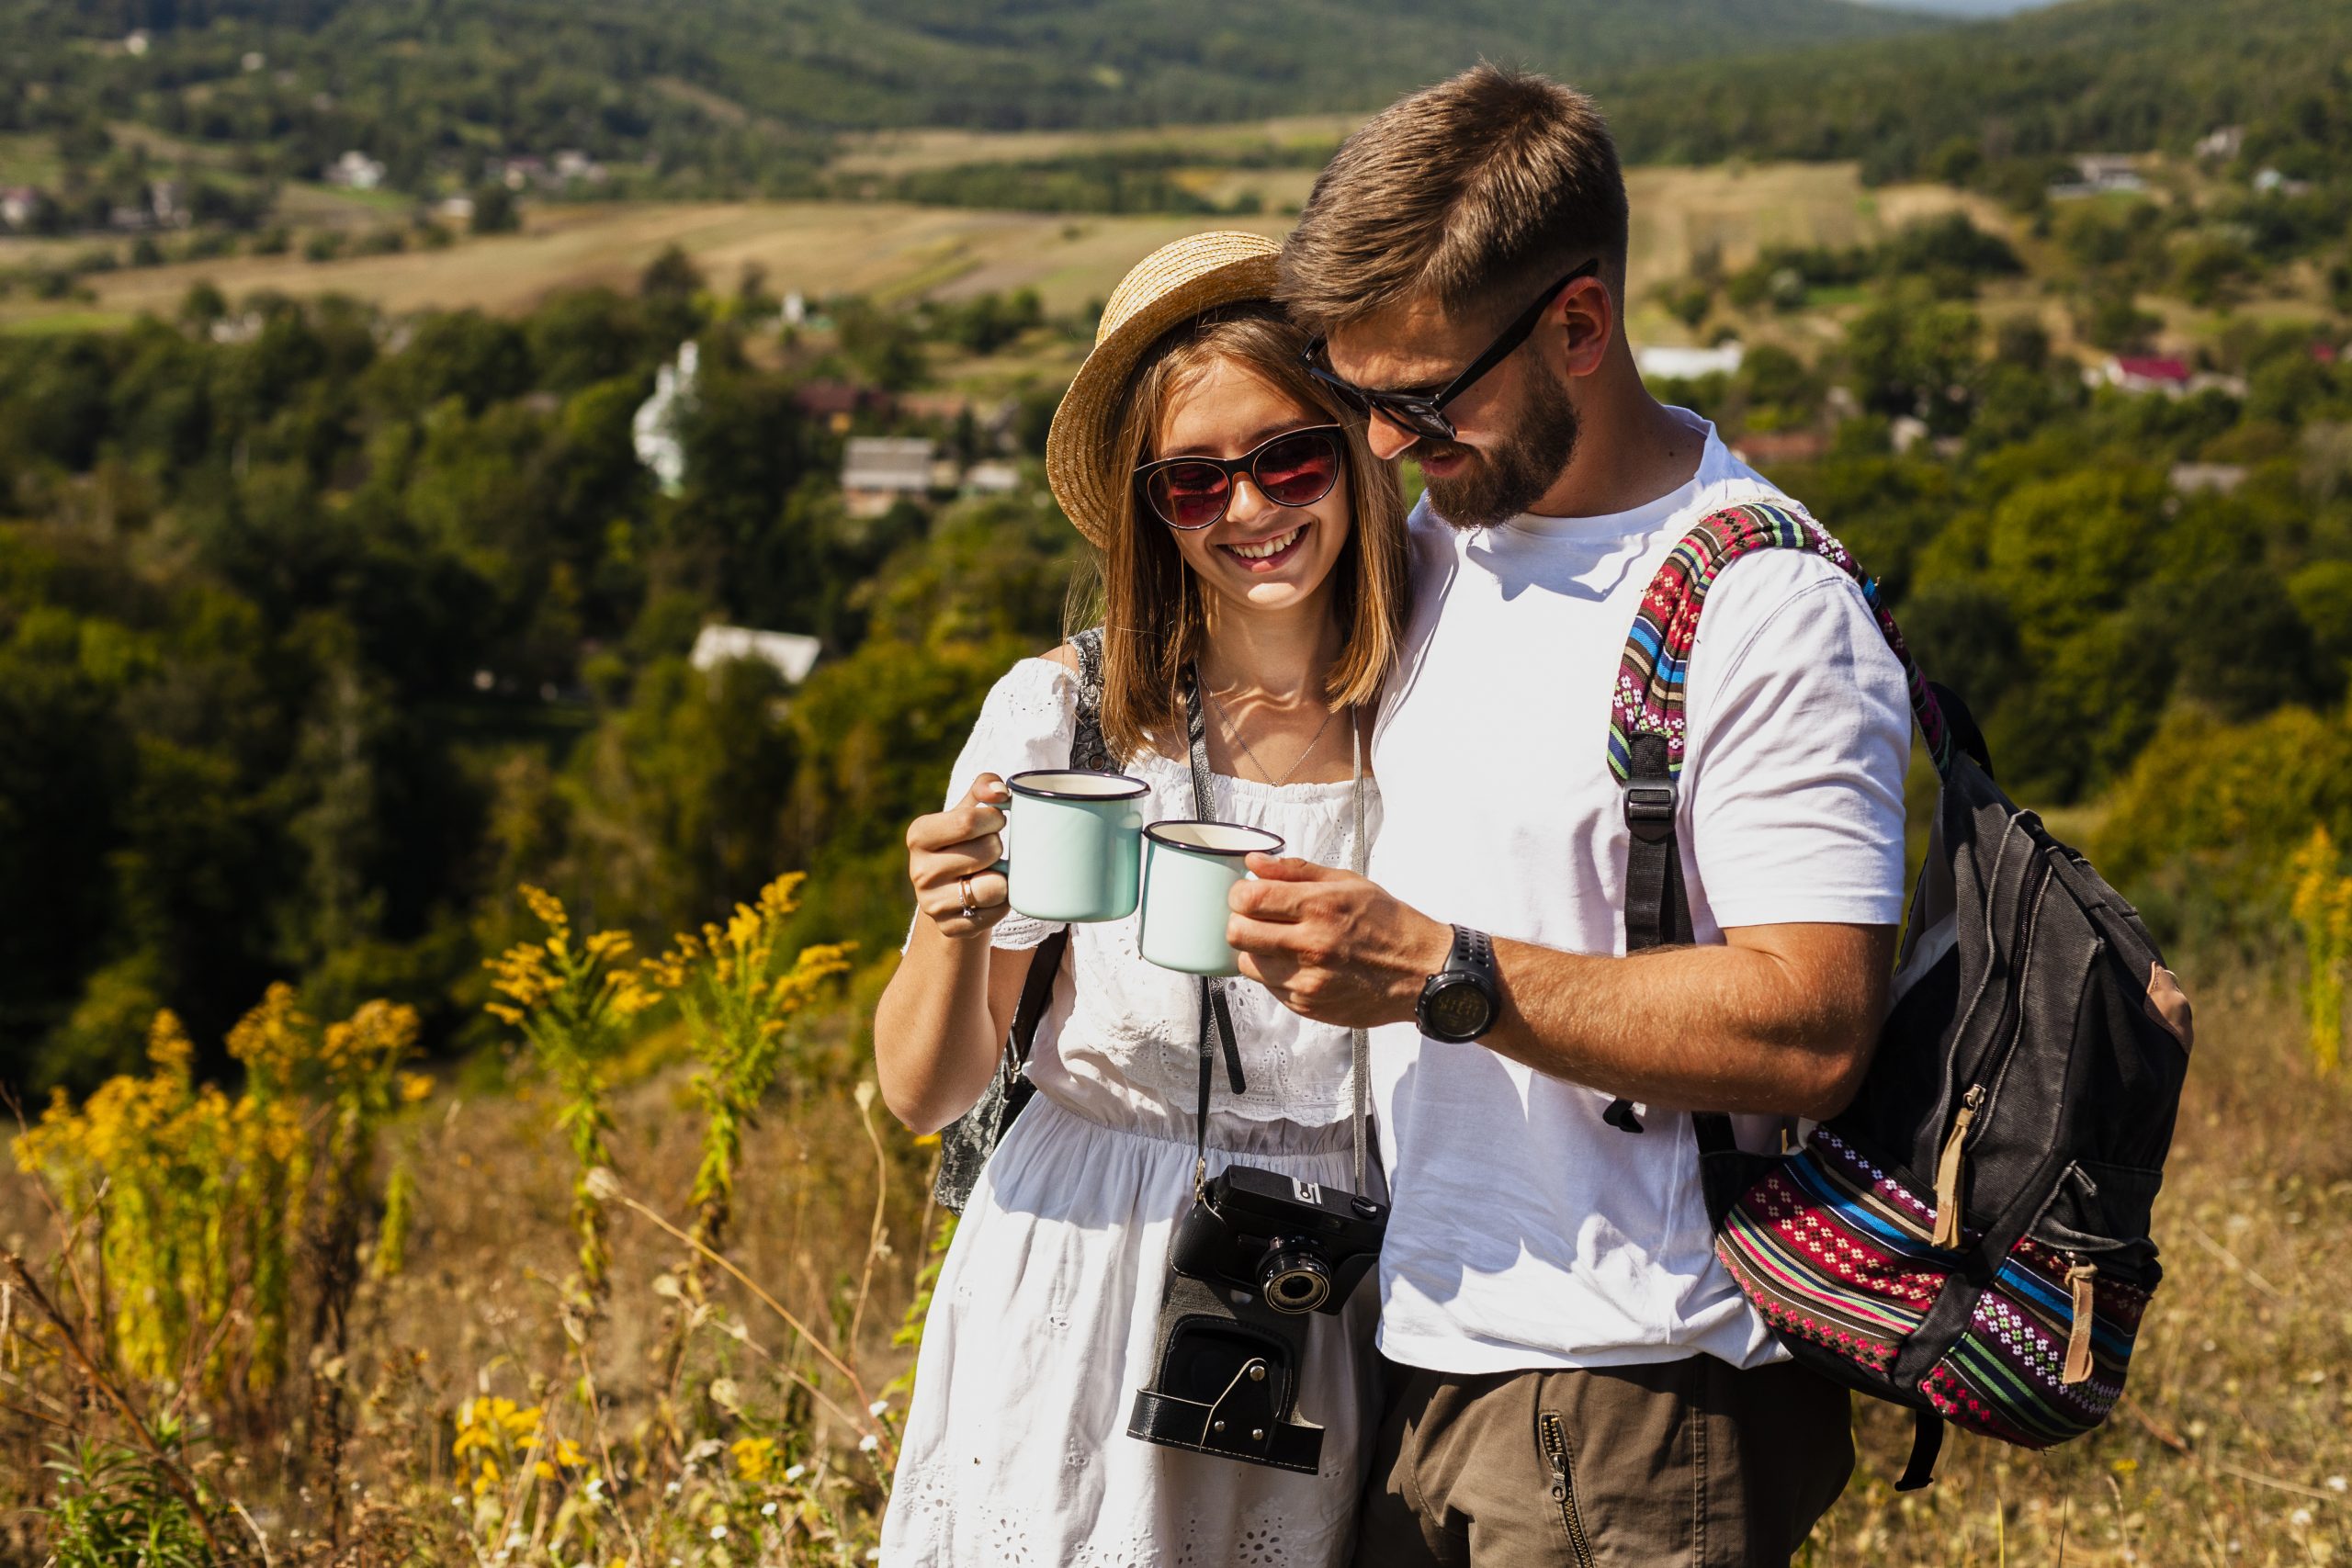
1647, 727
966, 1144
1086, 747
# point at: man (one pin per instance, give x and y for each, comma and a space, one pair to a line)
1576, 1379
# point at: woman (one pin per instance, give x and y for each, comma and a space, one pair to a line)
1281, 579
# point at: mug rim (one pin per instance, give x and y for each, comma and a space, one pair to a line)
1152, 831
1134, 788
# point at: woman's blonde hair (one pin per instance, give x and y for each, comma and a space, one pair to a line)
1154, 618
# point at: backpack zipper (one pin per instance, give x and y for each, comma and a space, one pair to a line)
1950, 1158
2080, 1279
1947, 1231
1564, 1487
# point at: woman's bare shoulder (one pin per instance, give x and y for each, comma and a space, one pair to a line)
1066, 656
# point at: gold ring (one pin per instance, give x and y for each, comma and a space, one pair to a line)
970, 911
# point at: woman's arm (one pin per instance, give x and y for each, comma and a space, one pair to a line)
940, 1027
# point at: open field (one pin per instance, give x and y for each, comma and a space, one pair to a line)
898, 251
907, 152
2232, 1446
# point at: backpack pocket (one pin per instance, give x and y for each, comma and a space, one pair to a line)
2045, 1354
1833, 1248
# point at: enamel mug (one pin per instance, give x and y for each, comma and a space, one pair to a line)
1072, 840
1189, 868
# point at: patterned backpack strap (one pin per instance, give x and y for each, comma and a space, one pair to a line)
1086, 747
1647, 727
1649, 694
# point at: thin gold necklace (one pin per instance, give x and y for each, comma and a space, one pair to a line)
1264, 771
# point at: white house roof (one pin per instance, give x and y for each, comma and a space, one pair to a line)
791, 655
1682, 364
886, 462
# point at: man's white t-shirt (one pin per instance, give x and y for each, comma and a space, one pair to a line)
1526, 1232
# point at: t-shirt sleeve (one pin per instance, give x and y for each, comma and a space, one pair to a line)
1799, 741
1028, 721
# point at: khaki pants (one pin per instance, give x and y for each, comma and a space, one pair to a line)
1683, 1462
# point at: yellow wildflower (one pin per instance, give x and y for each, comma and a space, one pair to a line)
754, 1456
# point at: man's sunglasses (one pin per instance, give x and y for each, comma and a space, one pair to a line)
1297, 468
1422, 414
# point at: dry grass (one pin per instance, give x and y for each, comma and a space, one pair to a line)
482, 1309
2234, 1446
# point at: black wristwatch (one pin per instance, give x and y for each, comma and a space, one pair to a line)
1461, 1001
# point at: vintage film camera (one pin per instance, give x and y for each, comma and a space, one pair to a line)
1257, 1254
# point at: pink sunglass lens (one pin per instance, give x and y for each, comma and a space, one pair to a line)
1191, 495
1299, 471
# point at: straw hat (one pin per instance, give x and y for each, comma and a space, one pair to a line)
1170, 285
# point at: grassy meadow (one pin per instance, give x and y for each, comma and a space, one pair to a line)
739, 1403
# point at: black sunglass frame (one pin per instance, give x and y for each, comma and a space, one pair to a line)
1423, 414
1334, 436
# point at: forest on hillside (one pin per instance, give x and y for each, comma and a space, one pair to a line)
319, 632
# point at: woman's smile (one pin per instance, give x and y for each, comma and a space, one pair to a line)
1272, 552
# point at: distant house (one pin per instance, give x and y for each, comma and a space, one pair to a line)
2102, 173
790, 654
837, 403
2220, 479
1668, 362
2271, 182
355, 171
879, 470
2137, 373
992, 478
2221, 144
19, 205
1759, 448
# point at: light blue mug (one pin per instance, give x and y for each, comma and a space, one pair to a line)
1073, 837
1189, 868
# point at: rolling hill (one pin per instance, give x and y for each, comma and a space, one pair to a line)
712, 93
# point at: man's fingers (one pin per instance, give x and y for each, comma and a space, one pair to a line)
1271, 900
1272, 939
1290, 868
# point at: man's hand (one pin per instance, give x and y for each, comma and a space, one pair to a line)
1332, 946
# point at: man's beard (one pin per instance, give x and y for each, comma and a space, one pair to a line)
1500, 482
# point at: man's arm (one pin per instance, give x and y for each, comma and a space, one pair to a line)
1780, 1020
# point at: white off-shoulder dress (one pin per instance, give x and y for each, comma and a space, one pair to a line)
1042, 1328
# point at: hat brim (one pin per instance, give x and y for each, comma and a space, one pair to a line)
1079, 455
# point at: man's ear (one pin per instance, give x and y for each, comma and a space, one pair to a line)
1587, 313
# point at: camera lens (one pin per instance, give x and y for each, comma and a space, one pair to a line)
1295, 1277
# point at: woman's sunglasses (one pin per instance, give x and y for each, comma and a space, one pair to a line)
1422, 414
1297, 468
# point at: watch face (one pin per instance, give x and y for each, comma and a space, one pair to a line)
1458, 1011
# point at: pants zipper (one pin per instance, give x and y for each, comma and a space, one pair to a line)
1563, 1485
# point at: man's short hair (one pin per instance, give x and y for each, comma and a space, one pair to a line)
1475, 192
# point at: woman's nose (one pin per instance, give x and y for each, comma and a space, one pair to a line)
1248, 500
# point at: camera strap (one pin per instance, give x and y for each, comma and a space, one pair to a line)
1216, 1018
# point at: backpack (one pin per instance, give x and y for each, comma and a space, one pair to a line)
965, 1142
1968, 1237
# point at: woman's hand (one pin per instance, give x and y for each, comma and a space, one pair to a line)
949, 854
